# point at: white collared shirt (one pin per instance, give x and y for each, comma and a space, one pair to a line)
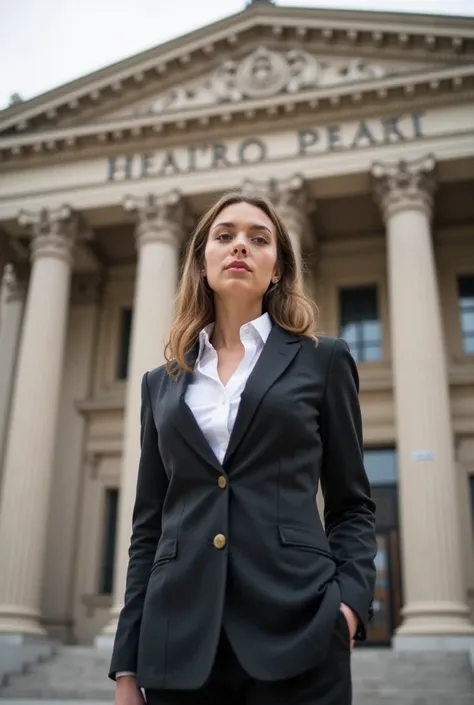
214, 405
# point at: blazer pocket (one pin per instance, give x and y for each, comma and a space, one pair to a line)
167, 550
300, 537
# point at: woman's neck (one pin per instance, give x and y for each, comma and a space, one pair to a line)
229, 320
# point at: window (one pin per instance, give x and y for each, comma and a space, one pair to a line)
124, 343
109, 540
360, 324
466, 312
471, 487
381, 466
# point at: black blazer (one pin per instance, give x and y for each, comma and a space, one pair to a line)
277, 583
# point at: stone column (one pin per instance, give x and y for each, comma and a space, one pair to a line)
434, 585
31, 440
159, 234
11, 315
293, 203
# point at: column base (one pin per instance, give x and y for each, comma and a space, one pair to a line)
435, 619
18, 622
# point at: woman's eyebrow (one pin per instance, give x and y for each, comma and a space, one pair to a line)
254, 226
222, 225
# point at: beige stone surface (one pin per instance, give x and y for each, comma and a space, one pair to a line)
31, 442
342, 91
434, 579
12, 303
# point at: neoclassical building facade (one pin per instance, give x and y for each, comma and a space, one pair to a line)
360, 126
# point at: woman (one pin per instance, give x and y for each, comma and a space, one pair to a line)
235, 593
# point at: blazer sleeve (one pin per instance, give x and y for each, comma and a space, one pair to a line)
151, 490
349, 512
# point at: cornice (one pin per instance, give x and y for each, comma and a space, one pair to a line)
408, 37
409, 90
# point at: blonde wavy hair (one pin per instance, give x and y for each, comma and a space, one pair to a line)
284, 301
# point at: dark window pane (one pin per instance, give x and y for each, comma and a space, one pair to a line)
124, 343
372, 353
358, 304
466, 312
371, 330
471, 486
381, 465
466, 287
467, 320
469, 345
360, 325
109, 541
350, 333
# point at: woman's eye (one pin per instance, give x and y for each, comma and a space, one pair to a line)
260, 240
223, 236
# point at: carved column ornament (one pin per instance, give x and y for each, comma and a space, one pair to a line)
14, 284
434, 588
292, 200
403, 185
162, 217
34, 415
54, 232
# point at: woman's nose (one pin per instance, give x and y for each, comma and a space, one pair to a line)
240, 246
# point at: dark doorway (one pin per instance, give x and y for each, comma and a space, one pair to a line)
381, 468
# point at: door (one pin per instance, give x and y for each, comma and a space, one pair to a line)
387, 592
387, 597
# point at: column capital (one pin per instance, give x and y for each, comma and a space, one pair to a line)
403, 185
160, 217
54, 231
290, 197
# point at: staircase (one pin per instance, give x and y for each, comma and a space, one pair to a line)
381, 677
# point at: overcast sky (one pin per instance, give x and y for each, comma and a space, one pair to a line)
45, 43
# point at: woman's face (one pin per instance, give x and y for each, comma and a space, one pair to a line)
240, 258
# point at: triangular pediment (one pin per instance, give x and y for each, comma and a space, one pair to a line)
262, 54
265, 73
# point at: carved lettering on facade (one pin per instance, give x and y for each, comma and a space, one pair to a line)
310, 141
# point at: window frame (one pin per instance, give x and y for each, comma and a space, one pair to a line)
360, 286
459, 277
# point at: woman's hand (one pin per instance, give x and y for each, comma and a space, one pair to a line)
352, 621
127, 692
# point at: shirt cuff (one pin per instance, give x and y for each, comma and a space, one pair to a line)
125, 673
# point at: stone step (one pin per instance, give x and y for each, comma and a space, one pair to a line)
419, 697
16, 658
380, 677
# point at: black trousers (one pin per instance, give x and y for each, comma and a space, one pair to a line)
329, 683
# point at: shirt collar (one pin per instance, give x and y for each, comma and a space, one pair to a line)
261, 325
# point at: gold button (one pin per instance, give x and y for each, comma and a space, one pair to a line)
219, 541
222, 482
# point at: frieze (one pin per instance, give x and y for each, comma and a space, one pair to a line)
265, 73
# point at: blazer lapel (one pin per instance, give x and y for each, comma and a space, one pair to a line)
278, 351
184, 421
